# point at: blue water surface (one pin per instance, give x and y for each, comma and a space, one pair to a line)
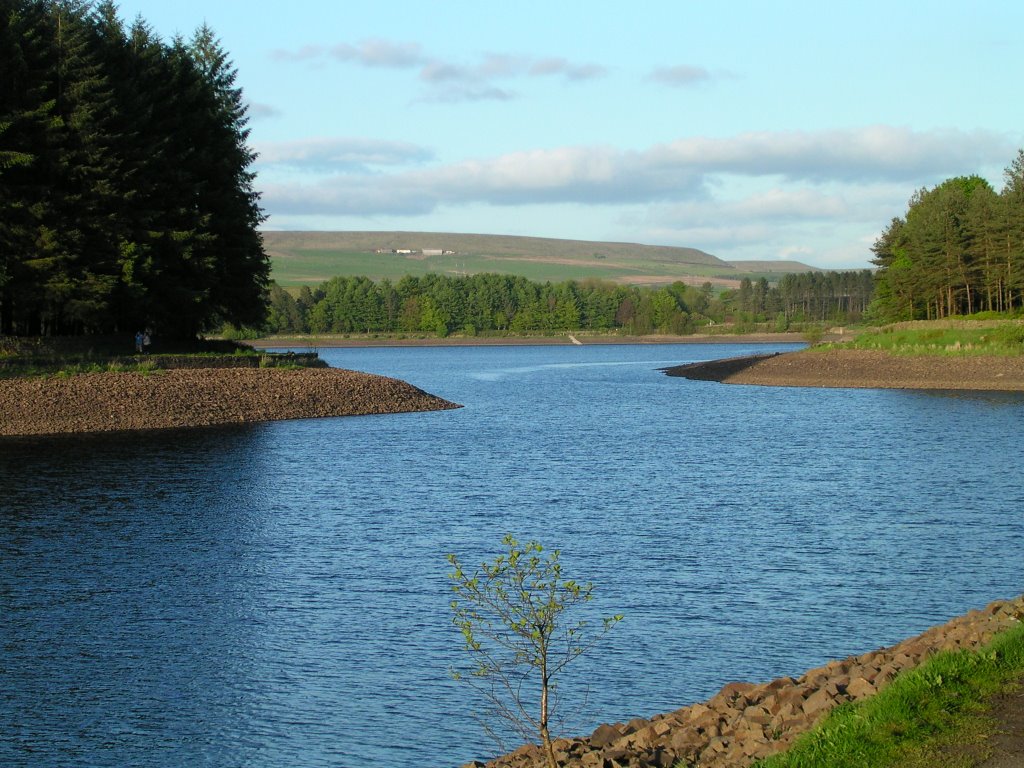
276, 594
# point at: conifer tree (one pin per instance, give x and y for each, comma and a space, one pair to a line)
26, 109
242, 268
126, 195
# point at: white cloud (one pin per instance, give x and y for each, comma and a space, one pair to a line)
446, 80
772, 206
305, 53
681, 170
754, 195
559, 66
796, 252
680, 76
445, 72
792, 204
263, 111
460, 92
376, 52
334, 155
874, 152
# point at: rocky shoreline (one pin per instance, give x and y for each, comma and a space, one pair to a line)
107, 402
745, 722
860, 368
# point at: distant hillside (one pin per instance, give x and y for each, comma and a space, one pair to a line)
772, 267
310, 258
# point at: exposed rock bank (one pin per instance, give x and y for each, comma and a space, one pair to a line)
745, 721
862, 368
104, 402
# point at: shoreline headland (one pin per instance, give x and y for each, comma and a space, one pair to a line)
176, 398
861, 368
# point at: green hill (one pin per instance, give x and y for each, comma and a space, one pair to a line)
777, 268
310, 258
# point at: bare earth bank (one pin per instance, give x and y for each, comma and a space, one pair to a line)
105, 402
862, 368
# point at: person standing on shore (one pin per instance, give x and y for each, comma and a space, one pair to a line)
147, 339
139, 338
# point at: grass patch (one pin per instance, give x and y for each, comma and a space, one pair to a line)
915, 720
28, 357
66, 370
1006, 339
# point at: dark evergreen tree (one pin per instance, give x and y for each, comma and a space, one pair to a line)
126, 195
227, 195
25, 111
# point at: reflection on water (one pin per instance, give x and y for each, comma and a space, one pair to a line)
1012, 399
276, 594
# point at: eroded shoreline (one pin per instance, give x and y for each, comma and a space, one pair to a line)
860, 368
112, 402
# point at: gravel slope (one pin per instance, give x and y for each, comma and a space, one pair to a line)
862, 368
103, 402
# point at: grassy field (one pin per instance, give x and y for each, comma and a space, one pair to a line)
931, 717
310, 258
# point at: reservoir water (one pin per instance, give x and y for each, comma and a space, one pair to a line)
276, 594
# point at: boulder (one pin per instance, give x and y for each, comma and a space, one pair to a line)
604, 735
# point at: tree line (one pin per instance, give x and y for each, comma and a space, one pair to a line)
126, 196
839, 296
482, 303
958, 250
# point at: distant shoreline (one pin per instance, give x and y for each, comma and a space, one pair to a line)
329, 342
862, 369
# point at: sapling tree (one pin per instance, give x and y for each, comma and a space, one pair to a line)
515, 617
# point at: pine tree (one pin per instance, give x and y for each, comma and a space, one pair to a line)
1011, 231
26, 111
239, 291
80, 162
125, 191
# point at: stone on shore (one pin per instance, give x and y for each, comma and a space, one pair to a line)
105, 402
745, 722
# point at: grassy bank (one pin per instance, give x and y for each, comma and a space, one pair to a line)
931, 717
46, 356
1001, 337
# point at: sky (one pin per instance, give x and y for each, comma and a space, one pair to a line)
750, 130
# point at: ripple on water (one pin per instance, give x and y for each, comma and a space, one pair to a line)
277, 594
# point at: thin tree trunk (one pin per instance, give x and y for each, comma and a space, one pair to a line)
545, 734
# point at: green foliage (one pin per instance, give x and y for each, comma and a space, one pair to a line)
1003, 339
838, 297
914, 714
958, 250
813, 335
232, 333
489, 303
126, 199
515, 618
